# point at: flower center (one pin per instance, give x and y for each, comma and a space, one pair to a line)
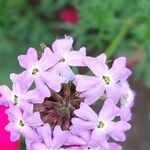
63, 111
106, 80
35, 71
21, 123
59, 108
15, 99
100, 124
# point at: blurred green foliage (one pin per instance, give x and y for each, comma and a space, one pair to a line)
101, 21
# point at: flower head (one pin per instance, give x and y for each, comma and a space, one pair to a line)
49, 103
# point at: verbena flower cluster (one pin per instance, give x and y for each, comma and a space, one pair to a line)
54, 107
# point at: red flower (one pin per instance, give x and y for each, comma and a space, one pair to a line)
69, 15
5, 143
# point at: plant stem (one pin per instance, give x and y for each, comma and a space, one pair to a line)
119, 37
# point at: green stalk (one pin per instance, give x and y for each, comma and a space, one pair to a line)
119, 37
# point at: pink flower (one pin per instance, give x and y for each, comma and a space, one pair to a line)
39, 71
69, 15
69, 57
103, 126
52, 139
5, 143
21, 123
105, 80
19, 96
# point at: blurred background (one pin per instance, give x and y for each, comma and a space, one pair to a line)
119, 27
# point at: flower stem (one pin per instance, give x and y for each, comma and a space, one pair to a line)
119, 37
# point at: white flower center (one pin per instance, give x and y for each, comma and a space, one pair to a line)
15, 99
20, 124
107, 80
100, 124
65, 58
34, 70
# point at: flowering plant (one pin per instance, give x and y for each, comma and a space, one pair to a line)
52, 104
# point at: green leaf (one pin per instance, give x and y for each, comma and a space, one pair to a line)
75, 70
